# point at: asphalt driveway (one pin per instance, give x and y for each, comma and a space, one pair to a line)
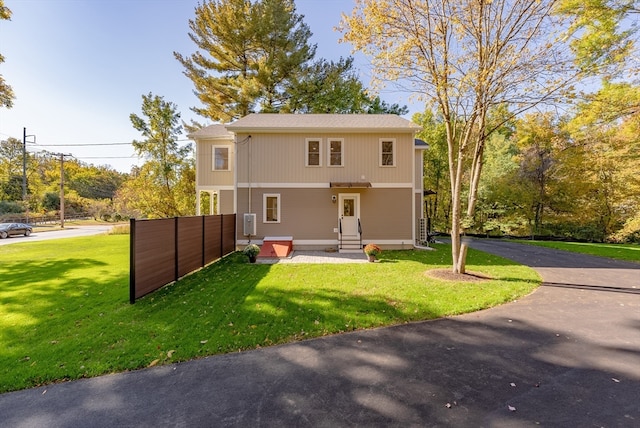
567, 355
68, 232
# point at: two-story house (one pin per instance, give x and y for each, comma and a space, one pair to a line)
321, 180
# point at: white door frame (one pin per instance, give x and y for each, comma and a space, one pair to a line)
349, 222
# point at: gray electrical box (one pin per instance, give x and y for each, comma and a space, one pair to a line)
249, 224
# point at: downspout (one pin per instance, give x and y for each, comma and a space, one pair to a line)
249, 174
249, 177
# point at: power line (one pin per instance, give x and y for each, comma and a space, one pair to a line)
93, 144
84, 144
106, 157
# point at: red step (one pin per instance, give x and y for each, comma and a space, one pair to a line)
276, 246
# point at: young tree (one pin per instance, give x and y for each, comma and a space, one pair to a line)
540, 141
248, 53
10, 158
6, 92
466, 57
166, 163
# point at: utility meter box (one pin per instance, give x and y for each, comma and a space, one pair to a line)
249, 224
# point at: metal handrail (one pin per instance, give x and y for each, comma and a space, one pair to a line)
360, 232
340, 229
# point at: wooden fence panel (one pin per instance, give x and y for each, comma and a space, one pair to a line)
228, 233
190, 237
164, 250
154, 253
212, 238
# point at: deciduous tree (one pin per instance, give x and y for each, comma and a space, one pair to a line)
6, 92
466, 57
158, 182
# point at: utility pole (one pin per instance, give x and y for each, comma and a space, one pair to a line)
24, 166
62, 155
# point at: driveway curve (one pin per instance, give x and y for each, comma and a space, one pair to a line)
566, 355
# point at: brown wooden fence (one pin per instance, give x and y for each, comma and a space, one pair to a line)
164, 250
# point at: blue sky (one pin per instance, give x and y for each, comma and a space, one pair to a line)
79, 68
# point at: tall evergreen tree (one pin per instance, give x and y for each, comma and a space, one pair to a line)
248, 53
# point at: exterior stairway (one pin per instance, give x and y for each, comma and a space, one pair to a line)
350, 244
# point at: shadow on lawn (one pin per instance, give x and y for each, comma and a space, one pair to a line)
231, 310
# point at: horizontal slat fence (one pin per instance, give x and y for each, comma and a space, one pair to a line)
164, 250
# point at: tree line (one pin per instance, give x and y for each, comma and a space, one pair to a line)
572, 176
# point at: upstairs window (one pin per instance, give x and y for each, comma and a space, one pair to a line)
220, 158
271, 208
313, 152
336, 152
387, 152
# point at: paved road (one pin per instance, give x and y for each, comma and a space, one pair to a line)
67, 232
568, 355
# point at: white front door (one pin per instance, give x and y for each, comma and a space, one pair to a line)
349, 214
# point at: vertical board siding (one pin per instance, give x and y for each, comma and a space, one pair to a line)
206, 176
280, 158
163, 250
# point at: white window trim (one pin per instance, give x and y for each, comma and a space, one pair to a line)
264, 206
213, 157
329, 141
306, 152
394, 153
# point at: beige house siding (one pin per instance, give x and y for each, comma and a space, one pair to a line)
226, 202
396, 225
419, 168
206, 176
280, 158
309, 214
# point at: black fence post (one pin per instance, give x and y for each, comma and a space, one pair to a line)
204, 240
175, 251
132, 261
221, 235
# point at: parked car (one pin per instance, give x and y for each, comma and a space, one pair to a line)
9, 229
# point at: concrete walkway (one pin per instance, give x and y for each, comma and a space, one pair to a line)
568, 355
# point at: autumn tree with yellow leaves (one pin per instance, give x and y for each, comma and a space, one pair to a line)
466, 57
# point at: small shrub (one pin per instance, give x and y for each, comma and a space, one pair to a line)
372, 250
251, 250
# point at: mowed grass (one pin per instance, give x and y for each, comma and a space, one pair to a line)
64, 310
628, 252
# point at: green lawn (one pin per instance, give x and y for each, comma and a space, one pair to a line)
628, 252
64, 311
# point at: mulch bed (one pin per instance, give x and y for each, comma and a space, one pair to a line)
447, 275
